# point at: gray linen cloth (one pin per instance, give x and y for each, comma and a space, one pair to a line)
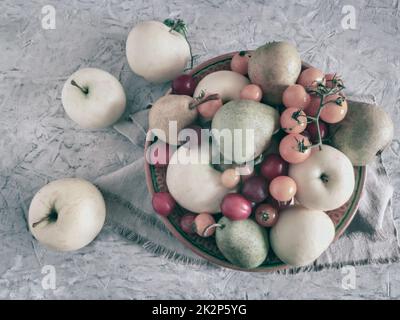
370, 238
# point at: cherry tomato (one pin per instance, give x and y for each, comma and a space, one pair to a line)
283, 188
209, 108
251, 92
293, 120
240, 62
332, 111
184, 84
294, 148
186, 223
230, 178
273, 166
313, 106
313, 131
266, 215
310, 77
163, 203
255, 189
295, 96
202, 224
328, 79
159, 154
235, 207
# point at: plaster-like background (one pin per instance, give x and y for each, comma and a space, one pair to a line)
38, 143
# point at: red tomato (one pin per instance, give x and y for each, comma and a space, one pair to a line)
313, 107
283, 188
266, 215
333, 112
240, 62
251, 92
313, 131
295, 96
293, 120
294, 148
310, 77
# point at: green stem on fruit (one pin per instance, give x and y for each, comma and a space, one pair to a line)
51, 217
322, 91
201, 99
208, 228
179, 26
85, 90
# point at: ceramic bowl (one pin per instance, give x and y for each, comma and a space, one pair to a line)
206, 247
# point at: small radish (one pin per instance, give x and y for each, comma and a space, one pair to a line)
236, 207
163, 203
187, 223
184, 84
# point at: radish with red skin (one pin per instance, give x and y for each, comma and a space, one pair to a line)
184, 85
163, 203
236, 207
186, 223
273, 166
255, 189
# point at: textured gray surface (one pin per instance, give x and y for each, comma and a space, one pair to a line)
39, 143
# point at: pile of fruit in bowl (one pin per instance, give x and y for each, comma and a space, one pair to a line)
273, 198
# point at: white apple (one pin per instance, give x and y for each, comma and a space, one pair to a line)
193, 182
93, 98
67, 214
157, 52
325, 181
301, 235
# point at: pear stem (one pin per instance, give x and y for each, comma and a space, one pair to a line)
194, 104
84, 90
211, 226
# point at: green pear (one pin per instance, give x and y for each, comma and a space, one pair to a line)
257, 122
243, 242
274, 66
365, 132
